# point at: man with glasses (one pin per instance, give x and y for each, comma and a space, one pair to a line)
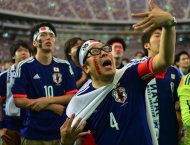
113, 102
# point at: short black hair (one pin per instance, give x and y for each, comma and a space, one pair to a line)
69, 44
117, 39
146, 38
36, 28
18, 44
177, 56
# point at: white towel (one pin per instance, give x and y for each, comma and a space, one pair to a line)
10, 107
84, 105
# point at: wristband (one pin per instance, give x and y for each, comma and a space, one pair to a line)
170, 24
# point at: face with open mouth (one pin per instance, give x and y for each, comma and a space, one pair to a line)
100, 61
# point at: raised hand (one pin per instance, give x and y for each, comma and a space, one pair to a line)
156, 17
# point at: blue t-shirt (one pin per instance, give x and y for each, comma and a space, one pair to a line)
120, 119
35, 80
163, 95
12, 117
3, 96
77, 70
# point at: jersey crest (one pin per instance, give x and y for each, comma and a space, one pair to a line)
57, 78
119, 94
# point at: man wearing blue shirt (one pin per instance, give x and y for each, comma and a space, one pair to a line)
43, 86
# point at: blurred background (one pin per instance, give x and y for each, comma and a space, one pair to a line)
98, 19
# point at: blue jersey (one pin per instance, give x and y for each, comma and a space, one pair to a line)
12, 114
120, 119
2, 96
35, 80
162, 94
77, 70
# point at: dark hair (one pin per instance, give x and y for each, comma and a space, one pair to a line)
116, 39
146, 38
16, 46
36, 28
177, 56
69, 44
139, 52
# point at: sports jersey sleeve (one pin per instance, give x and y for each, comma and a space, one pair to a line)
71, 87
177, 81
3, 86
184, 97
20, 85
2, 97
145, 70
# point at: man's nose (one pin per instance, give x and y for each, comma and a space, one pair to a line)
118, 49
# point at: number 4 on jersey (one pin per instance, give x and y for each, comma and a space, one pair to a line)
113, 122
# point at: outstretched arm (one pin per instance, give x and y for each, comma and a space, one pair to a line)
159, 18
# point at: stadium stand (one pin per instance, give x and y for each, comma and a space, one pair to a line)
99, 19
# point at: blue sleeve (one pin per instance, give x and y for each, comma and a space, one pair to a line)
3, 92
70, 81
20, 85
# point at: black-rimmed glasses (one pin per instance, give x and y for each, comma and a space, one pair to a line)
97, 51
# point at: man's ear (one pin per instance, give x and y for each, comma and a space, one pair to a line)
85, 68
147, 46
35, 44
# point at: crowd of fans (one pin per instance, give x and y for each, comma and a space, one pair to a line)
99, 10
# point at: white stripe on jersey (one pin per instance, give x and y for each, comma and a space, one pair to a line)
10, 107
58, 60
84, 87
3, 72
18, 70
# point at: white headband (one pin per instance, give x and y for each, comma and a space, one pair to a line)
42, 29
84, 49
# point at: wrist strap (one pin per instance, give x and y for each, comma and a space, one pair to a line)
170, 24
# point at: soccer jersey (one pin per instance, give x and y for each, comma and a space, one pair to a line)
2, 96
77, 70
162, 94
184, 96
120, 119
35, 80
12, 114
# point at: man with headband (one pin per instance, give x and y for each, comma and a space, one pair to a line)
112, 104
43, 86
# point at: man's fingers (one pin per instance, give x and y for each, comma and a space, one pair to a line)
149, 28
151, 4
80, 128
70, 120
64, 124
83, 134
140, 15
76, 125
6, 138
143, 23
